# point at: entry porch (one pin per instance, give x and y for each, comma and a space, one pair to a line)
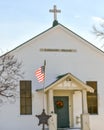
66, 102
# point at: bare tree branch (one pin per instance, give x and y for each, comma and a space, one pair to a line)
98, 30
10, 73
99, 33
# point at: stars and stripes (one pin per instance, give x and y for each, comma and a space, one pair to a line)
40, 74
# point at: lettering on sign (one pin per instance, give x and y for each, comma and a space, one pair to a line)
57, 50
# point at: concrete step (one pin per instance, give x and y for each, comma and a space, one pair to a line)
66, 129
69, 129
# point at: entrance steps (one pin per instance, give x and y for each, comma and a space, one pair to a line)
65, 128
69, 129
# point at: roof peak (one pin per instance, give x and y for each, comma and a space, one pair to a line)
55, 23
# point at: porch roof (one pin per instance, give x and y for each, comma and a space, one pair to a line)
70, 76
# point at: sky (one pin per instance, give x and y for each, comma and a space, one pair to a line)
20, 20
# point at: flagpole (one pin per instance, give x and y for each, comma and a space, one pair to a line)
44, 83
41, 75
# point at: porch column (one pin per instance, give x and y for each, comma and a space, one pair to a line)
53, 119
50, 101
85, 116
84, 102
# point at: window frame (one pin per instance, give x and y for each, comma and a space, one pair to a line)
92, 98
25, 97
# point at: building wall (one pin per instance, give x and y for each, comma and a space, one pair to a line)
86, 63
97, 122
10, 118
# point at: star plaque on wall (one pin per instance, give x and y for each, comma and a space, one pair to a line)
43, 118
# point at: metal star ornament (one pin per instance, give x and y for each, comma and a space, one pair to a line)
43, 118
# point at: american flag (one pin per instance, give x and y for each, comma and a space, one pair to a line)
40, 74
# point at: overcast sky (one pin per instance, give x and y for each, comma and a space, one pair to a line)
20, 20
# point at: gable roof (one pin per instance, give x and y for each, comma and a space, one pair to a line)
72, 77
65, 29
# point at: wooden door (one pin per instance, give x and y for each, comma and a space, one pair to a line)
61, 106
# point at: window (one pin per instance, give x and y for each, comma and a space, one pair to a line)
92, 98
25, 98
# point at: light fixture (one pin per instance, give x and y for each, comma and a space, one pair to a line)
68, 82
68, 79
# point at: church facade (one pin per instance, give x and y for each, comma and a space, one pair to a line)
73, 89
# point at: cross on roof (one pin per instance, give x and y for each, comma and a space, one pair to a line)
55, 11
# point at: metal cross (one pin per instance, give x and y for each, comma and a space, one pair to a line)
55, 11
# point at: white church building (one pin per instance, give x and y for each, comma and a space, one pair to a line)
73, 91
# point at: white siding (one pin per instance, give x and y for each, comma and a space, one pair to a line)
86, 63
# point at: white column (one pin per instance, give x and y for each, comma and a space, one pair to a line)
85, 116
50, 101
84, 102
53, 119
